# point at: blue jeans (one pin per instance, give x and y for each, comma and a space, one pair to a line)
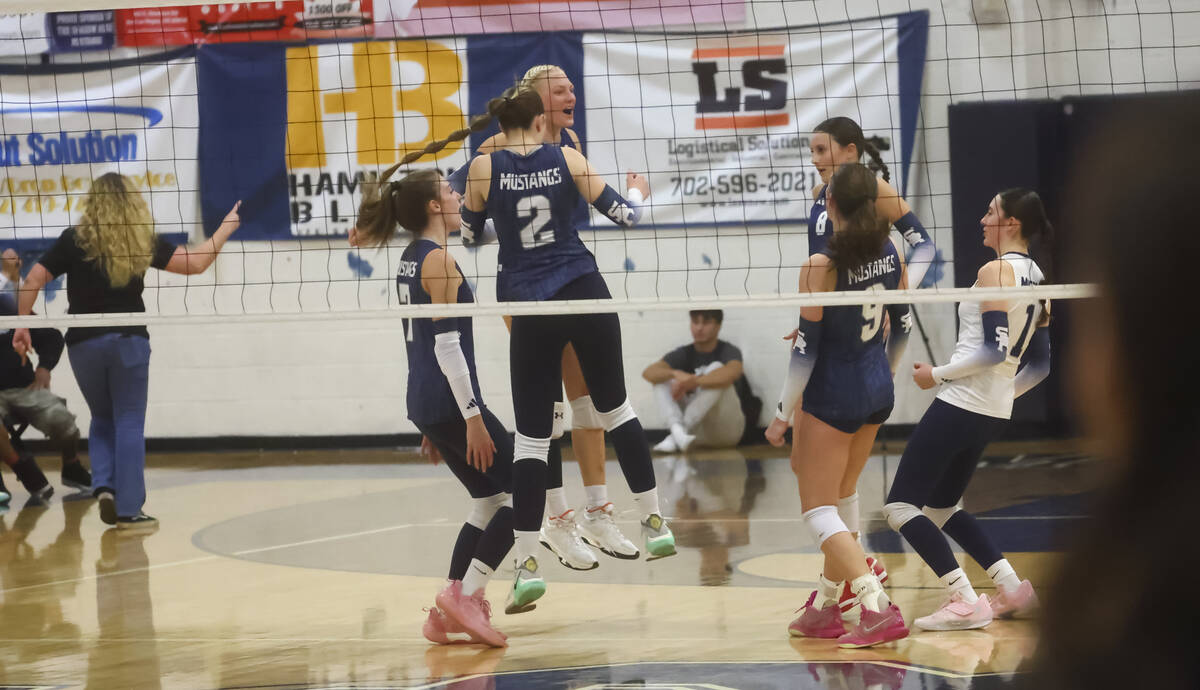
113, 372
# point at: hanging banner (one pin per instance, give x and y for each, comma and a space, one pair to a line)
60, 128
436, 17
293, 20
722, 123
329, 117
23, 34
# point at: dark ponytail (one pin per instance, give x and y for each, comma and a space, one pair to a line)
862, 232
1026, 206
845, 132
386, 204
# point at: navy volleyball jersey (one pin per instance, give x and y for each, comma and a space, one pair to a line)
820, 227
582, 217
852, 379
430, 399
532, 201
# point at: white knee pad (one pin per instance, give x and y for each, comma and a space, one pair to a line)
526, 448
584, 414
940, 515
560, 421
898, 514
823, 522
483, 509
614, 418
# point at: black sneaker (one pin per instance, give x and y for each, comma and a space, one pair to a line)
140, 522
31, 477
108, 506
76, 476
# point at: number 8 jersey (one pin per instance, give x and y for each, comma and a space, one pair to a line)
990, 392
532, 199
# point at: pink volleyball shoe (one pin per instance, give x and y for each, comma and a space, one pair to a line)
1021, 602
875, 628
472, 613
957, 614
825, 623
439, 627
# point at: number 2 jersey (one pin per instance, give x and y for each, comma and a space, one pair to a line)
851, 379
532, 200
430, 399
991, 392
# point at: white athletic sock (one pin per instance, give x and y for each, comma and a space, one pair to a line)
477, 577
848, 512
596, 495
1003, 575
869, 592
526, 544
647, 503
827, 591
556, 501
957, 581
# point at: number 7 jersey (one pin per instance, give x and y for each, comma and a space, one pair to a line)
990, 392
532, 199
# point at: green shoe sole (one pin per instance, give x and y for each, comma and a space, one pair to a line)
524, 595
660, 548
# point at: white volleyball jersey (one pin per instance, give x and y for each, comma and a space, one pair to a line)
990, 392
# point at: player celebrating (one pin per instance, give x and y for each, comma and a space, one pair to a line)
840, 368
530, 191
978, 388
562, 532
443, 392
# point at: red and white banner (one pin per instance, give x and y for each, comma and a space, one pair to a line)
292, 20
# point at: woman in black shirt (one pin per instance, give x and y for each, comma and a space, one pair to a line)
105, 258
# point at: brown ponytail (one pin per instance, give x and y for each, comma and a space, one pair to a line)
845, 132
862, 232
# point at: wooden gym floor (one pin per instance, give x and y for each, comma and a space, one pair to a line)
310, 570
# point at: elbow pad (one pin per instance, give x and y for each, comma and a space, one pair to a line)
454, 366
472, 226
914, 233
623, 212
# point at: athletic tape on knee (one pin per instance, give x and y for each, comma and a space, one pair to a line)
560, 414
584, 414
526, 448
483, 509
940, 515
898, 514
823, 522
615, 418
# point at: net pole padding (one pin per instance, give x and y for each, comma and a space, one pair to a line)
416, 311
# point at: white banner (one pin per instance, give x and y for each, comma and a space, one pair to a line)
24, 34
722, 123
60, 131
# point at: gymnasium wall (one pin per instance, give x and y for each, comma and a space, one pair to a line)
346, 378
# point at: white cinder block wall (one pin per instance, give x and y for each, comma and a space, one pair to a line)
346, 377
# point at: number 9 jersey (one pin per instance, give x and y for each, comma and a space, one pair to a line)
991, 392
532, 199
852, 379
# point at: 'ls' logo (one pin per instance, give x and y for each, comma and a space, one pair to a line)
766, 98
